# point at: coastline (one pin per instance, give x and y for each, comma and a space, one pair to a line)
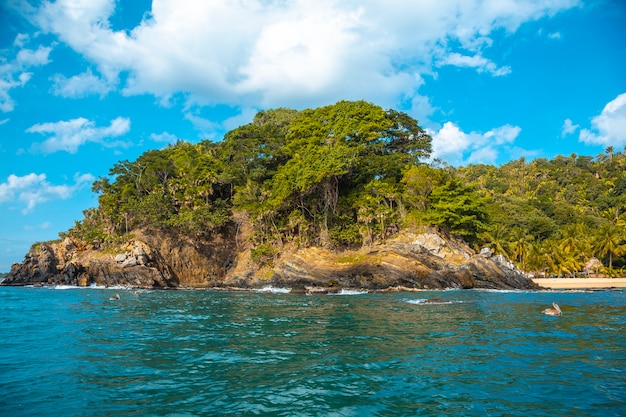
580, 283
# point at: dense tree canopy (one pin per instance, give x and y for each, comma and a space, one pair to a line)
555, 216
352, 173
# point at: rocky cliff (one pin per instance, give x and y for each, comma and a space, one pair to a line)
412, 260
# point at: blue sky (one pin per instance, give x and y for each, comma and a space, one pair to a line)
86, 83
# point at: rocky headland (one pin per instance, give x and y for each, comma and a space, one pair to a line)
412, 260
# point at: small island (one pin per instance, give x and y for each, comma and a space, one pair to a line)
342, 196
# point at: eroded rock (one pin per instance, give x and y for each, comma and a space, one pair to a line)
428, 260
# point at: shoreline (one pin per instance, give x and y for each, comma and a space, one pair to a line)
580, 283
545, 284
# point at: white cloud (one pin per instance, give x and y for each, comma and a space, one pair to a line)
163, 137
449, 140
202, 123
456, 147
69, 135
503, 134
609, 127
81, 85
245, 116
568, 127
421, 108
33, 58
481, 64
207, 124
14, 72
269, 53
486, 155
33, 189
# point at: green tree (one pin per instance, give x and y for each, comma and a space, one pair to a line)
332, 151
609, 242
497, 237
458, 208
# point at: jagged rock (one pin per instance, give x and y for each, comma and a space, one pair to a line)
431, 242
411, 260
425, 262
138, 250
142, 259
503, 262
130, 262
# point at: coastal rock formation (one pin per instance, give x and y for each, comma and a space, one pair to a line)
411, 260
74, 263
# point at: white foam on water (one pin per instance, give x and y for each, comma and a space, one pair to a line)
274, 290
65, 287
427, 301
350, 292
90, 286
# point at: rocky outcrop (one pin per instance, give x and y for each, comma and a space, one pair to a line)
411, 260
428, 260
73, 263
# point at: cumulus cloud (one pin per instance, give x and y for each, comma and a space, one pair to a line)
568, 127
69, 135
503, 134
33, 189
457, 147
273, 52
609, 127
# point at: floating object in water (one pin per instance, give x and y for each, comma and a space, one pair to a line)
117, 297
556, 311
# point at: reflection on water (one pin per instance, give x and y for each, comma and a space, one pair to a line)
181, 353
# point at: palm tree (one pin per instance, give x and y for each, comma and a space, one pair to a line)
496, 238
609, 242
521, 246
574, 245
536, 259
567, 262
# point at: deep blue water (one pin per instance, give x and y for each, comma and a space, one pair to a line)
72, 352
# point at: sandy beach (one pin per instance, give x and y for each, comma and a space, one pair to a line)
580, 283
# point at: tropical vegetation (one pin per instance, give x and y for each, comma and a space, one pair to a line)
352, 174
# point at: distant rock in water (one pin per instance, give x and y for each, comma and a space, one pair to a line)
410, 260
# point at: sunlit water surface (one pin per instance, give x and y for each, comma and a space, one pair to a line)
72, 352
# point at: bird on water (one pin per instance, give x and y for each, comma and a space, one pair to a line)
556, 311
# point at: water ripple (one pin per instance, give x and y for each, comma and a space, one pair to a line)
175, 353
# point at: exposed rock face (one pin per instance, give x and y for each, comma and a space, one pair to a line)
63, 263
425, 261
428, 260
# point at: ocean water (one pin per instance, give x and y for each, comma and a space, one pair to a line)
72, 352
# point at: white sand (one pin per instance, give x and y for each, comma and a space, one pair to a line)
576, 283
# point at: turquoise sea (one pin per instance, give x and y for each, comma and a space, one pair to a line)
72, 352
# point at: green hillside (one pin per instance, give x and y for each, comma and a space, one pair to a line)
353, 174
